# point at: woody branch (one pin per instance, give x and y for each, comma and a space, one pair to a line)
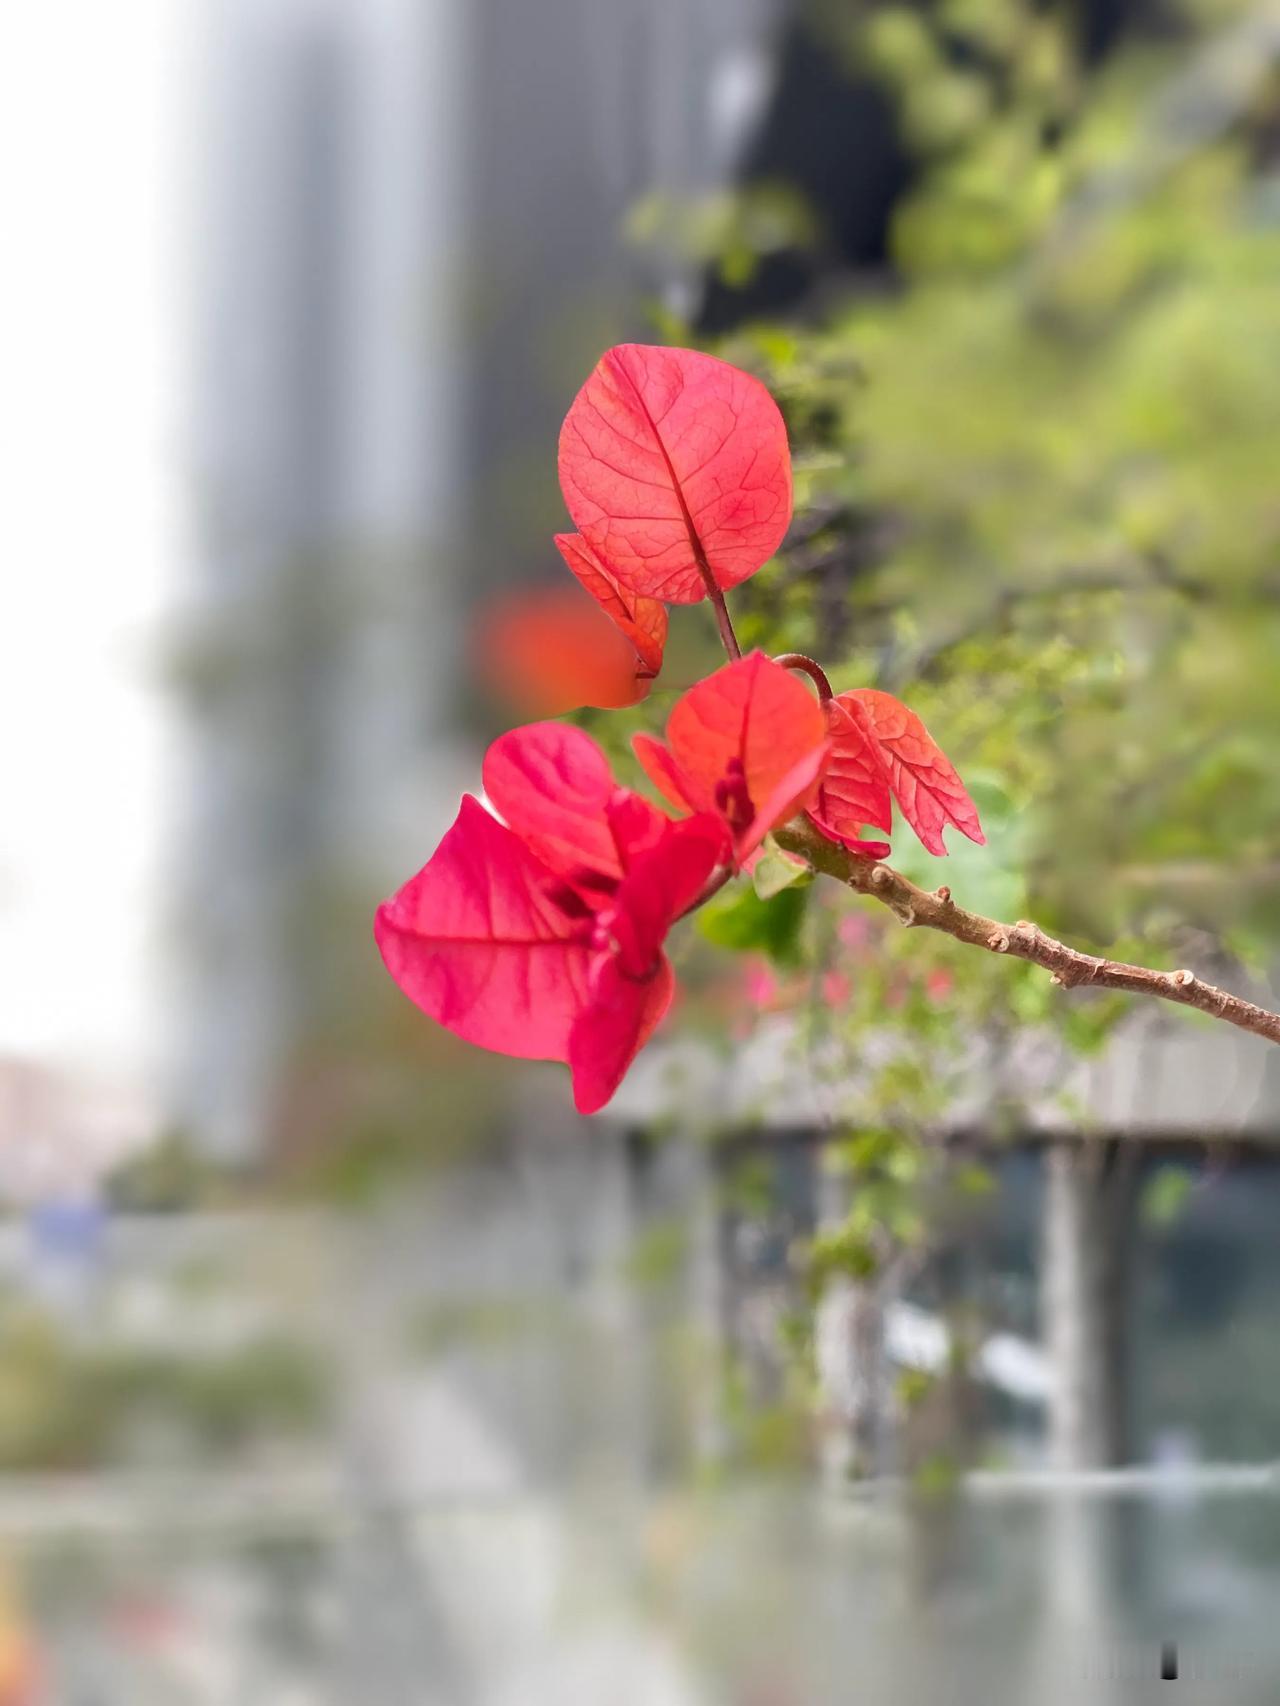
934, 909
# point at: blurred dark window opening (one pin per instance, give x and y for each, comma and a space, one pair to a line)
830, 133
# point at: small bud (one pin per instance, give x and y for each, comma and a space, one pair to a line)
998, 942
943, 894
1184, 979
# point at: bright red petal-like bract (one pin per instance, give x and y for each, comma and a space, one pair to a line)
676, 471
631, 985
610, 1033
791, 793
642, 620
923, 778
553, 786
752, 714
855, 786
663, 771
490, 942
748, 743
663, 882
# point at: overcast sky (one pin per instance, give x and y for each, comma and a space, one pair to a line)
94, 173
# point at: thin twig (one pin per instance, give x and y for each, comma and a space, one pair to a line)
815, 672
935, 910
716, 596
714, 883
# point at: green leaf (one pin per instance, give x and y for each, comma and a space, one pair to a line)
776, 870
740, 920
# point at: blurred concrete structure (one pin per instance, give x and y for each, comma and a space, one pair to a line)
500, 1507
411, 255
327, 468
1163, 1090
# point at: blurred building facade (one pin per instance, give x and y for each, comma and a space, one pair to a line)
412, 253
325, 459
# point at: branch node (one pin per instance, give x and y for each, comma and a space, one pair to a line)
1184, 979
943, 895
998, 941
1056, 977
880, 877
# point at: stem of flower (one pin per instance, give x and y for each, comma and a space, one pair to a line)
815, 672
727, 636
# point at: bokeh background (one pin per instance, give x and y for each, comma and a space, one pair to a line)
906, 1328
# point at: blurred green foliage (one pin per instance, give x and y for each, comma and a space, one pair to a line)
1036, 497
1165, 1196
170, 1176
728, 232
1036, 474
69, 1405
1036, 492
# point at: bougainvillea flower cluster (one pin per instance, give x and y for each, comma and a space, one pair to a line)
537, 927
749, 742
542, 937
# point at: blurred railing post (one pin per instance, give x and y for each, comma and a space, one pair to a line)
853, 1360
1086, 1297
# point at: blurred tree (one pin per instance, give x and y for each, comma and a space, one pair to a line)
1034, 435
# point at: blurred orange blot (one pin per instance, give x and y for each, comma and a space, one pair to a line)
21, 1673
551, 649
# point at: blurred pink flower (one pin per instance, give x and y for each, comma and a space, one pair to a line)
760, 984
